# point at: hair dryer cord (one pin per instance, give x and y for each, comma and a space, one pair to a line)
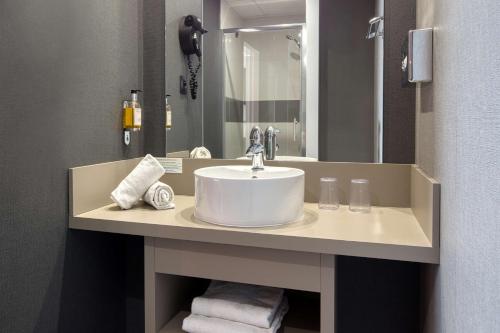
193, 71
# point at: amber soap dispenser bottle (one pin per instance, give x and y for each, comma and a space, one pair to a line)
132, 112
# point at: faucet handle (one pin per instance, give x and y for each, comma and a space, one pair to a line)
255, 149
256, 136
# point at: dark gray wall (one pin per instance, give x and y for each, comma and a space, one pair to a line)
346, 81
377, 296
399, 100
162, 67
65, 68
66, 65
154, 76
187, 117
213, 87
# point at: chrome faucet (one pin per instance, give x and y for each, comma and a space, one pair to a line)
256, 149
270, 142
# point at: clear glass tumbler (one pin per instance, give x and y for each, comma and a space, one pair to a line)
359, 196
329, 193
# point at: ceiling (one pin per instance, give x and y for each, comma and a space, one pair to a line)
252, 9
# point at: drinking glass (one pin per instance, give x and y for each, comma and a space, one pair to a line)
329, 196
359, 196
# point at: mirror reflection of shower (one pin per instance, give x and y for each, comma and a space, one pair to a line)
294, 54
263, 86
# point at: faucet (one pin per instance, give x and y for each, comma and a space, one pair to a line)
256, 149
270, 144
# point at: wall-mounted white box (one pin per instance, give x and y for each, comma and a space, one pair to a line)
420, 55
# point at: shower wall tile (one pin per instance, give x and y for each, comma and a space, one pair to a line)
263, 111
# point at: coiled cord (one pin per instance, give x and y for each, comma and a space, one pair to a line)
193, 71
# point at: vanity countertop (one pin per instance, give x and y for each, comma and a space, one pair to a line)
402, 225
385, 232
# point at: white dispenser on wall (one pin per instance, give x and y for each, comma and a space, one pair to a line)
420, 55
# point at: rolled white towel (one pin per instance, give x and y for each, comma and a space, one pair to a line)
200, 152
160, 196
244, 303
200, 324
133, 187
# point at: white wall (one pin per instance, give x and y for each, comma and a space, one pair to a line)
458, 142
273, 20
378, 94
312, 76
228, 16
280, 75
231, 19
233, 66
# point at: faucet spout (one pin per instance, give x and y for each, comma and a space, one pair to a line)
256, 152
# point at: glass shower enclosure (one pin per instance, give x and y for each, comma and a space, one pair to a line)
264, 74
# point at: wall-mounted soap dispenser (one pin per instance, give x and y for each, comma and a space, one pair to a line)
168, 114
132, 115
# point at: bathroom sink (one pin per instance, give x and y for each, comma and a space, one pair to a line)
237, 196
287, 158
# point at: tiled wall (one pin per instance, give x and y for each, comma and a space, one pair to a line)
262, 111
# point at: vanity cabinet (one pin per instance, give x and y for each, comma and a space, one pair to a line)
168, 261
181, 251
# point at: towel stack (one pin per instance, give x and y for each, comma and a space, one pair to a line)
143, 182
233, 307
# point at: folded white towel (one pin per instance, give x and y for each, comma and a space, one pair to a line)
200, 152
160, 196
201, 324
244, 303
133, 187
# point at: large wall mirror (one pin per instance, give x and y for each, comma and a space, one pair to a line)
325, 75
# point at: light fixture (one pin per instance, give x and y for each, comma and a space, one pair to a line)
248, 30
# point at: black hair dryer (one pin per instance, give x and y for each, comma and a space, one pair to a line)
190, 31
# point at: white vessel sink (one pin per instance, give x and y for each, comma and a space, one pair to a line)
287, 158
237, 196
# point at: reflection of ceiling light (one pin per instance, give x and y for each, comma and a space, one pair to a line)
248, 30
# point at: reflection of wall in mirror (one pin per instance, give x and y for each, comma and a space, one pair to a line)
186, 131
263, 87
346, 81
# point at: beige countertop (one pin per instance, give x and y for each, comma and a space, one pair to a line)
385, 232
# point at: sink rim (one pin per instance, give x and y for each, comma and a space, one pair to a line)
251, 173
244, 226
285, 158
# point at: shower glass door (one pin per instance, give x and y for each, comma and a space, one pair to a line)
263, 87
